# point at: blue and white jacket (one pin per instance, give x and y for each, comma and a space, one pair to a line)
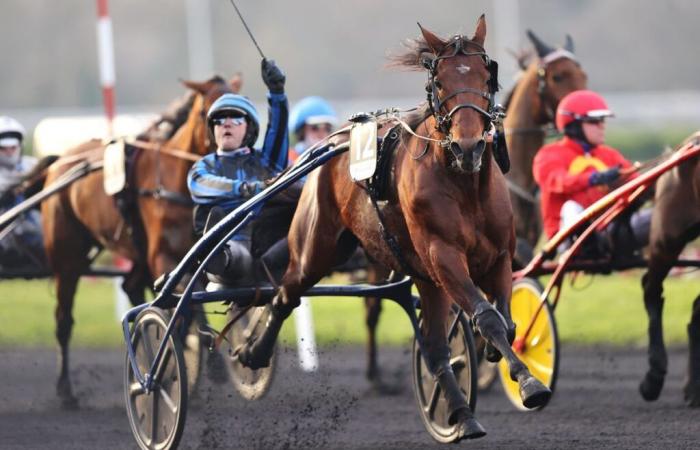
216, 179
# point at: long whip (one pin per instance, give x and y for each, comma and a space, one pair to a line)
247, 29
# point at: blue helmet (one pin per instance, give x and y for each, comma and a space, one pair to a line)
234, 102
311, 110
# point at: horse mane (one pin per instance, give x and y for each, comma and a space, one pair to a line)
175, 115
410, 57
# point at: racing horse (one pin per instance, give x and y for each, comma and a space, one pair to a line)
530, 107
675, 222
448, 212
156, 229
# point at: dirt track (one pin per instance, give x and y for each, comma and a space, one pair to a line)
596, 406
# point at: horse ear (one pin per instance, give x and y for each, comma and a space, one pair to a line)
435, 43
195, 86
569, 44
541, 48
236, 82
480, 33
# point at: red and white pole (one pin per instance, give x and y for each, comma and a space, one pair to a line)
105, 53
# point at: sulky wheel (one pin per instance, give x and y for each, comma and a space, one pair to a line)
250, 384
433, 408
157, 418
540, 349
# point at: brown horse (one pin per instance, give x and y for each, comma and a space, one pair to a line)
448, 211
675, 222
530, 108
156, 230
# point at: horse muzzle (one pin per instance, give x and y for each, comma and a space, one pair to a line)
469, 160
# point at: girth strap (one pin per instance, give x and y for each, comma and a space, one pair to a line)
392, 242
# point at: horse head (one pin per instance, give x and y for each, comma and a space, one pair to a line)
462, 83
558, 71
206, 93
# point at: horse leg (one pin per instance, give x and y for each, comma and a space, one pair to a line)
311, 258
66, 285
435, 307
691, 391
136, 282
652, 283
451, 268
373, 307
499, 287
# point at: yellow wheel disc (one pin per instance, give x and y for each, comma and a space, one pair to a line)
541, 347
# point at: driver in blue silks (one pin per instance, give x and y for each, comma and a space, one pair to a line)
223, 180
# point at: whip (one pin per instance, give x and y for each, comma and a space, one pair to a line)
247, 29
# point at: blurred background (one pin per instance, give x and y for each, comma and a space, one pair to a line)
641, 54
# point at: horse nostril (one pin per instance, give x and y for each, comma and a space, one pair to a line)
479, 147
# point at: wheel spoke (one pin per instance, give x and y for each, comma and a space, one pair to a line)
434, 397
154, 417
168, 401
453, 328
163, 364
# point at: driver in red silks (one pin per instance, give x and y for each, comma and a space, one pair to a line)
577, 170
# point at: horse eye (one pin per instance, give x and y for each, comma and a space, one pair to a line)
558, 78
438, 84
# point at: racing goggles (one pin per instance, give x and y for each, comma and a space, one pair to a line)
236, 119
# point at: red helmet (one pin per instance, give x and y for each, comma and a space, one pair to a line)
579, 105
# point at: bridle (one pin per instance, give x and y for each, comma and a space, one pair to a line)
493, 114
438, 106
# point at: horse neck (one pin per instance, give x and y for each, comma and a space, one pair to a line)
525, 116
185, 139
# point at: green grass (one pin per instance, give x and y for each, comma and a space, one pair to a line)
605, 309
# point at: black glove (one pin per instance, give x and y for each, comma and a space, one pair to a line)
272, 76
250, 188
604, 177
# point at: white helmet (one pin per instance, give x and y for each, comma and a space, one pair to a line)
11, 132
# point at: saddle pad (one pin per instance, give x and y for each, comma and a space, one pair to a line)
114, 169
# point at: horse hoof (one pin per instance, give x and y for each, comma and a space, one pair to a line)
534, 394
250, 360
492, 354
651, 386
691, 394
469, 428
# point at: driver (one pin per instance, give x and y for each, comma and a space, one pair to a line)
311, 120
21, 242
223, 180
577, 170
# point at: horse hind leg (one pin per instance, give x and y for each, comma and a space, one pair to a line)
66, 285
691, 390
652, 283
311, 259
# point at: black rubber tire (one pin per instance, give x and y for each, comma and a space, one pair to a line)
157, 419
464, 363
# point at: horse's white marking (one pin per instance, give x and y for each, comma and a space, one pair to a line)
463, 69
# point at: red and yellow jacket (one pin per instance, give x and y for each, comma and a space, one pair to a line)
562, 169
